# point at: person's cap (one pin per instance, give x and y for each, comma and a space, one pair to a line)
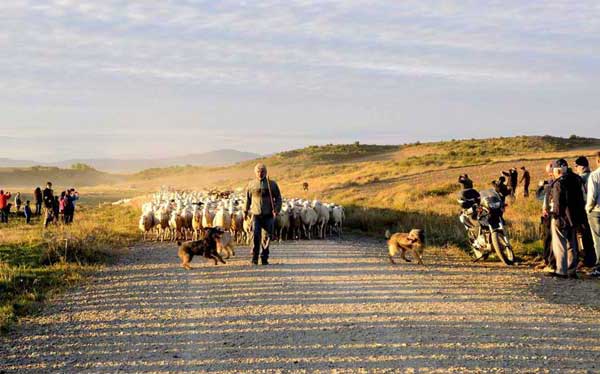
560, 163
582, 161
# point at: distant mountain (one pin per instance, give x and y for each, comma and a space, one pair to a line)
221, 157
10, 163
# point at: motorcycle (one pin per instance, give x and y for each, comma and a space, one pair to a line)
484, 222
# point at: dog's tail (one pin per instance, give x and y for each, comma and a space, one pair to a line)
388, 234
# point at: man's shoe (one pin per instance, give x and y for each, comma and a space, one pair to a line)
254, 262
264, 262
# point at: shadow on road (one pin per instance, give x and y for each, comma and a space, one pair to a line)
322, 305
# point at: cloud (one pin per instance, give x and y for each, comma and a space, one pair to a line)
114, 61
269, 42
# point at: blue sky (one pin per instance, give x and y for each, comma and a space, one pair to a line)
117, 78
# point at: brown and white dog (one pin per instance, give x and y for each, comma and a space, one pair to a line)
402, 242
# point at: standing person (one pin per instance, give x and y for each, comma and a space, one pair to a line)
501, 188
526, 180
37, 196
4, 206
62, 201
48, 201
549, 264
592, 208
70, 199
18, 202
263, 201
468, 198
513, 180
73, 197
56, 209
568, 213
27, 212
582, 167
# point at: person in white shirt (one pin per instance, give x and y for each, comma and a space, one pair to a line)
592, 207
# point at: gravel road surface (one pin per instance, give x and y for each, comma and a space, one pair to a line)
320, 307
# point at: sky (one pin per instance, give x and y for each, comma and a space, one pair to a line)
117, 78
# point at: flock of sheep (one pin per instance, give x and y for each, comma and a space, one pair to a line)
181, 215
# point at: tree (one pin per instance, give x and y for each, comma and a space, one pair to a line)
81, 166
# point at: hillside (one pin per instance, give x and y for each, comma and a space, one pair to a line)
337, 166
12, 163
221, 157
397, 187
39, 175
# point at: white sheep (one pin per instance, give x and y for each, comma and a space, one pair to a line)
222, 218
338, 216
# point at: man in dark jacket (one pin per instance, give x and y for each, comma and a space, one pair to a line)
48, 200
501, 188
567, 209
468, 198
582, 167
526, 180
513, 180
263, 201
38, 198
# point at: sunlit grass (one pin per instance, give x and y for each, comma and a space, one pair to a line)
35, 261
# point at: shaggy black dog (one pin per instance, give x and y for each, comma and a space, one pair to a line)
206, 246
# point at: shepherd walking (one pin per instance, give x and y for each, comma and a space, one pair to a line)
263, 202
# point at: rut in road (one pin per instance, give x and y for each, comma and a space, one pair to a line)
321, 305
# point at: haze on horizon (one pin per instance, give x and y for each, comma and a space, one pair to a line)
130, 79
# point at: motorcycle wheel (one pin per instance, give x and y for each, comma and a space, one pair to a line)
477, 254
503, 251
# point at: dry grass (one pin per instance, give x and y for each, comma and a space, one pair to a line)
35, 261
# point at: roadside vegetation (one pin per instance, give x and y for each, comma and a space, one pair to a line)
36, 262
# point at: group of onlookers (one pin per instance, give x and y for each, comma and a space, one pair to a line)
571, 218
55, 208
510, 189
58, 208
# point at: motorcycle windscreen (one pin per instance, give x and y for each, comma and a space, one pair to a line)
490, 199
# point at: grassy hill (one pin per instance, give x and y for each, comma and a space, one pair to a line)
39, 175
338, 166
396, 187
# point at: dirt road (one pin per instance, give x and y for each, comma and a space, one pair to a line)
335, 307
